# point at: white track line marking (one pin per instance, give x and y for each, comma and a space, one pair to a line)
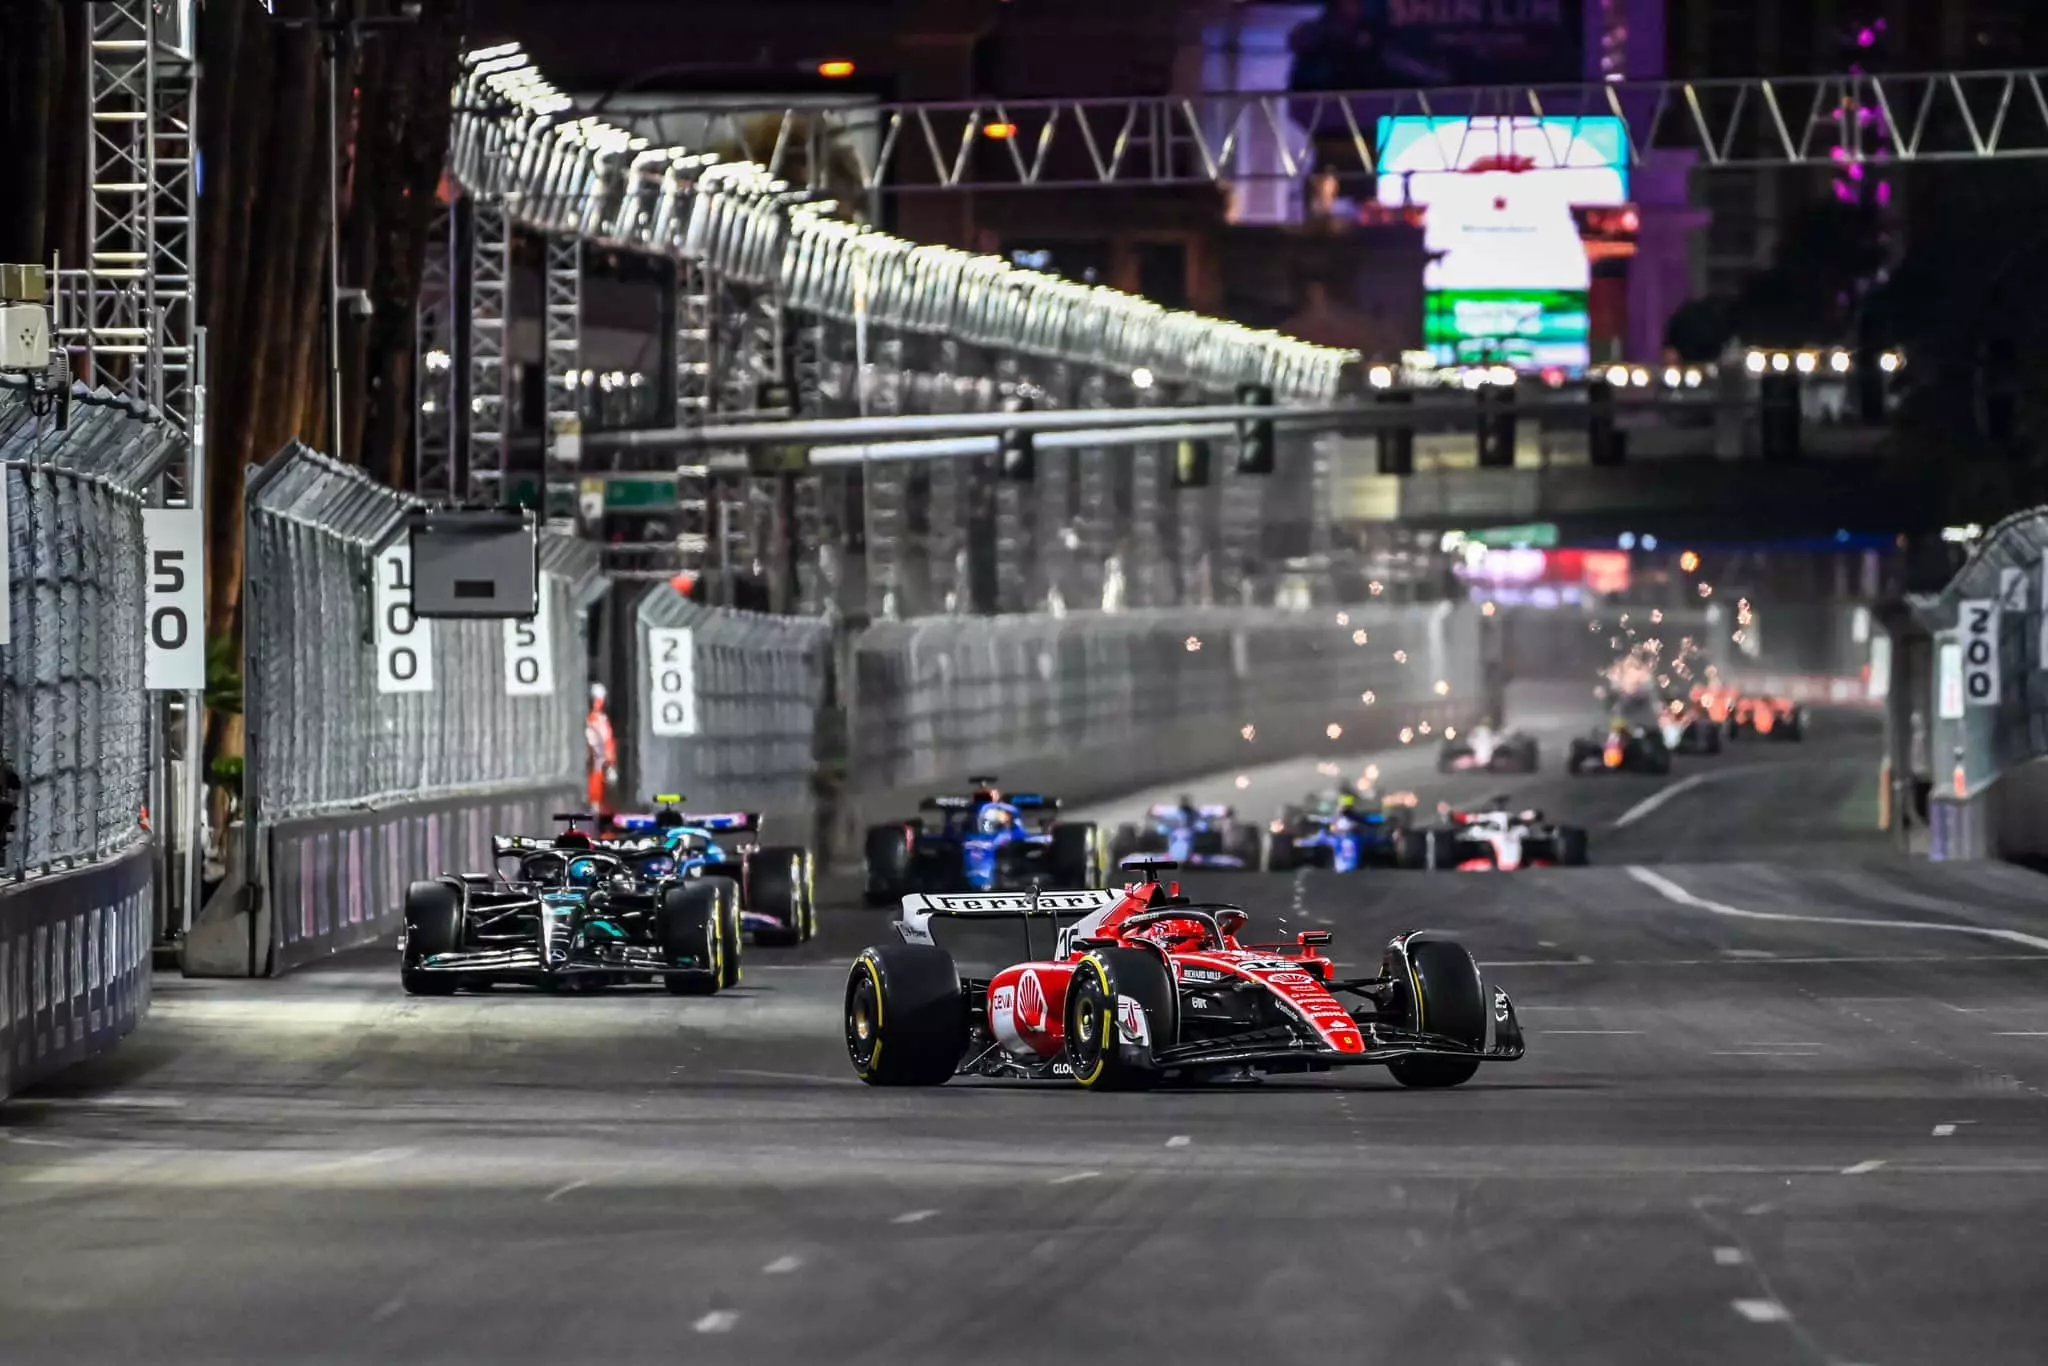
1071, 1177
1671, 891
1586, 1031
1658, 798
1864, 1167
782, 1266
717, 1321
916, 1216
388, 1309
1944, 1130
2023, 1033
1179, 1141
1755, 1210
1729, 1256
562, 1190
1761, 1311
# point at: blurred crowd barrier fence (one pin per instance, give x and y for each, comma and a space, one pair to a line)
380, 747
77, 878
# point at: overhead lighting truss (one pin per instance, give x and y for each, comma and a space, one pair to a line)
1202, 139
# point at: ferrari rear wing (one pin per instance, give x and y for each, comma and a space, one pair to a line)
1001, 926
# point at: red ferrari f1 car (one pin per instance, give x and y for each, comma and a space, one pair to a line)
1121, 990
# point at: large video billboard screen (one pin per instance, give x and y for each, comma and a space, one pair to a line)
1509, 280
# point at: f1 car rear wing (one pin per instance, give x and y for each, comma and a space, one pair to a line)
1207, 813
1000, 927
719, 823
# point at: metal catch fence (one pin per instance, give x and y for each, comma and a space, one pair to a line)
332, 724
72, 715
77, 912
727, 707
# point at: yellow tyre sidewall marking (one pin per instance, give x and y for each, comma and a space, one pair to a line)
867, 964
1104, 1043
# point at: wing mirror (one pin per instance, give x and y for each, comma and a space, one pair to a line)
1230, 922
1312, 938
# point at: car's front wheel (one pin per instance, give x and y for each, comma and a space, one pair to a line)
1122, 1007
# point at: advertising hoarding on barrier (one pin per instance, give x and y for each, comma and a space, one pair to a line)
74, 965
1949, 680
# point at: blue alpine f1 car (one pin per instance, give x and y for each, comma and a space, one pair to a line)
1192, 836
1342, 832
774, 883
983, 841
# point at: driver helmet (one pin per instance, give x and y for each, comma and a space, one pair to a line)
583, 872
994, 820
1183, 935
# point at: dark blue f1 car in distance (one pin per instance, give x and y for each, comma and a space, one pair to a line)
983, 841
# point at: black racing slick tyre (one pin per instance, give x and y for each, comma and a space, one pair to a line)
775, 887
732, 938
692, 936
1441, 994
1280, 853
906, 1016
888, 856
1076, 856
433, 924
1101, 1057
1571, 847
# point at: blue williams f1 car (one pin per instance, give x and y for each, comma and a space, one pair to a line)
774, 884
1342, 833
1190, 835
984, 841
570, 913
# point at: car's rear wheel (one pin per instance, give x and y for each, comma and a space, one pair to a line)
1571, 846
693, 936
906, 1015
1101, 1057
1280, 853
1076, 856
775, 887
888, 853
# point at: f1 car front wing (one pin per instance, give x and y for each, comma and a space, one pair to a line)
1385, 1042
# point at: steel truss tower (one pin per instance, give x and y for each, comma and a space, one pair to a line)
435, 387
490, 407
129, 308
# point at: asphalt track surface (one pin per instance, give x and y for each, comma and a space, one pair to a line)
1785, 1102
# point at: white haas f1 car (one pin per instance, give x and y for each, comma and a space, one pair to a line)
1124, 989
1495, 839
1486, 750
